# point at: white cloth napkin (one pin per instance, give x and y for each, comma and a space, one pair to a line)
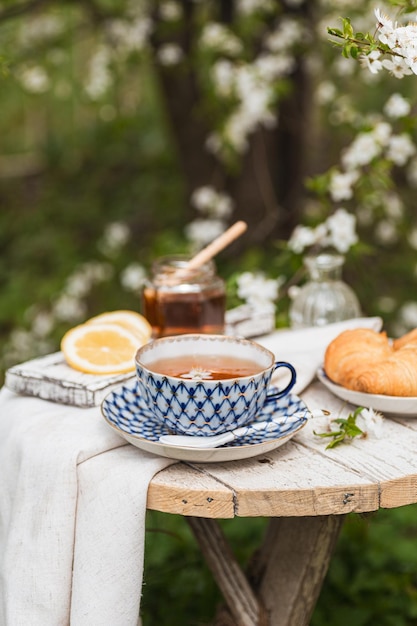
305, 348
72, 519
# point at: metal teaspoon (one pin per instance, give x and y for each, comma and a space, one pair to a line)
214, 441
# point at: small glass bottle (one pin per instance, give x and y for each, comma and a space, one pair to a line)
325, 298
177, 300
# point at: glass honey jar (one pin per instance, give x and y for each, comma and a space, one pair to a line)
177, 300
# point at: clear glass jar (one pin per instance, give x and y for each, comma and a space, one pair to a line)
177, 300
325, 298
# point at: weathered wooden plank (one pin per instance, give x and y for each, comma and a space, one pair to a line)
187, 491
389, 461
50, 378
295, 481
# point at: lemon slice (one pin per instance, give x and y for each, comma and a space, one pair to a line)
100, 348
130, 320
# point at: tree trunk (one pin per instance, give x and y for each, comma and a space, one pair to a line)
268, 189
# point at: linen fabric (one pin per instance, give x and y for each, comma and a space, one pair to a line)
72, 516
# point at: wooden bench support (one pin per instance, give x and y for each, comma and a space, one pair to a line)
285, 575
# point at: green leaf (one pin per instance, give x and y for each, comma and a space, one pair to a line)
354, 52
336, 32
348, 429
347, 27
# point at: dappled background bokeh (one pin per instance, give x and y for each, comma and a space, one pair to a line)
135, 129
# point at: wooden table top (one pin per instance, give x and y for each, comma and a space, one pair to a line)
301, 478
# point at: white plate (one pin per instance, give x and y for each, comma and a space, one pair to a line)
396, 405
125, 411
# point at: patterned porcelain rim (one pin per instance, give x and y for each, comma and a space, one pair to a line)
224, 339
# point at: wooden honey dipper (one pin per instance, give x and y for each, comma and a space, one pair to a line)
221, 242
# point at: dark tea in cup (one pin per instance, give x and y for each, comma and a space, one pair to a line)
211, 367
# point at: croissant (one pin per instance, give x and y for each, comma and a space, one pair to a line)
409, 338
365, 360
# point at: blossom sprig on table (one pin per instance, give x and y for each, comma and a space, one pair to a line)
393, 46
361, 423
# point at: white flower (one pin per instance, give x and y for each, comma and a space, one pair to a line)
223, 73
116, 234
80, 282
386, 232
362, 151
133, 277
220, 38
273, 66
170, 54
42, 323
371, 423
131, 35
397, 67
303, 237
223, 207
400, 149
170, 11
39, 28
342, 230
34, 79
372, 61
326, 92
382, 132
411, 58
202, 231
203, 198
257, 290
216, 204
402, 40
397, 106
386, 29
99, 77
288, 33
340, 187
246, 7
196, 373
69, 309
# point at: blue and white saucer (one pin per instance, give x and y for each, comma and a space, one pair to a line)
125, 411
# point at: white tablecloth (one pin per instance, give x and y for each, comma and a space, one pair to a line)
73, 503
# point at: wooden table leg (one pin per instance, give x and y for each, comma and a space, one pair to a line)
241, 600
285, 575
288, 571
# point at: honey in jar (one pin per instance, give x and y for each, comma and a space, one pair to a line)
177, 300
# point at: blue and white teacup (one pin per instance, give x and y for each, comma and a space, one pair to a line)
193, 403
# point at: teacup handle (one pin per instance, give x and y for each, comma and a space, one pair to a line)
282, 392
